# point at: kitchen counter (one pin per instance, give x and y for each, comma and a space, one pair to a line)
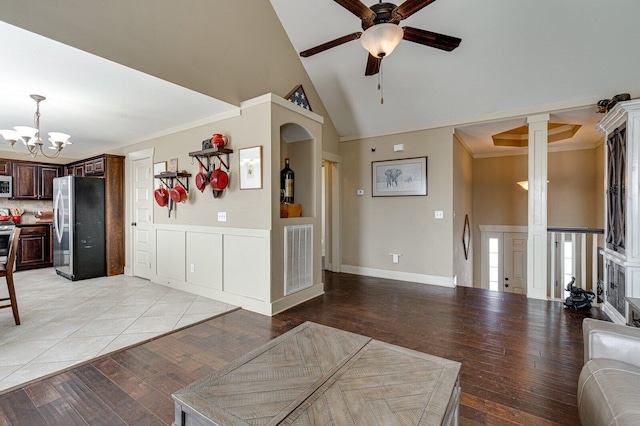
25, 225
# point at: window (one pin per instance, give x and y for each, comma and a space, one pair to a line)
494, 264
567, 265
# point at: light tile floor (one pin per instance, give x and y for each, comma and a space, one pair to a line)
64, 322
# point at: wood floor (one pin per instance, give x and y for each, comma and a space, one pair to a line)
520, 357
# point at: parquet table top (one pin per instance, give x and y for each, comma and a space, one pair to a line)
315, 374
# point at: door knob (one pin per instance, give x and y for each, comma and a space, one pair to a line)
134, 224
506, 284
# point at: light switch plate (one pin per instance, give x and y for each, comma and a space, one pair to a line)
222, 216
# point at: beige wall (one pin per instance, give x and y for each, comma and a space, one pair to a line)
462, 206
574, 193
251, 271
373, 227
229, 50
244, 208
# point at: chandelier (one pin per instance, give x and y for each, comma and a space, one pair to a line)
30, 136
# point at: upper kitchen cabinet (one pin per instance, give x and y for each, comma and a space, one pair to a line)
5, 167
75, 170
33, 181
95, 166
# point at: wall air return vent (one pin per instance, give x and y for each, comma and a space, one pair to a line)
298, 258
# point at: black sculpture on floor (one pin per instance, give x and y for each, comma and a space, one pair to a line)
579, 298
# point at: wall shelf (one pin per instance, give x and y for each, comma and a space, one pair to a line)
206, 158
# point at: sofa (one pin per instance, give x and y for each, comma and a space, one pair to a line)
609, 383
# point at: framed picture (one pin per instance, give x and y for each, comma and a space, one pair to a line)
393, 178
251, 168
173, 165
159, 167
466, 236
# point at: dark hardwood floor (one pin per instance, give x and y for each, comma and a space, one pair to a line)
520, 357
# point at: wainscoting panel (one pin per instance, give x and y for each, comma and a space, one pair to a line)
170, 254
204, 259
229, 264
246, 266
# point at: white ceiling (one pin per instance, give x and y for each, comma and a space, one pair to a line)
101, 104
516, 58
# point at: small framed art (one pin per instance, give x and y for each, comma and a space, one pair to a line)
251, 167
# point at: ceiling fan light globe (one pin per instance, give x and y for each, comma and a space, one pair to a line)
381, 39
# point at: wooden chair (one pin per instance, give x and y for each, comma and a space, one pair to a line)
6, 270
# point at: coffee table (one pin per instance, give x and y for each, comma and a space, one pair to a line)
315, 374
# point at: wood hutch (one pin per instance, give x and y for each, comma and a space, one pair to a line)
621, 254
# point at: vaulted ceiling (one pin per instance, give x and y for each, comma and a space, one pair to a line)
516, 58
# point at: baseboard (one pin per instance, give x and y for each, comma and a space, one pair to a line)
613, 314
400, 276
297, 298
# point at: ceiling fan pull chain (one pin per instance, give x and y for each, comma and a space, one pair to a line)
380, 85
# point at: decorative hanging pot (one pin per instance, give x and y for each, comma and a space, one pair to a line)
178, 194
219, 179
162, 196
201, 180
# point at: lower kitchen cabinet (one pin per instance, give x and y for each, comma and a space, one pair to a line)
34, 247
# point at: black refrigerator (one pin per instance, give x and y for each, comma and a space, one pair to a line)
78, 227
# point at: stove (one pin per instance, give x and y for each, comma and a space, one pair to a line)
6, 230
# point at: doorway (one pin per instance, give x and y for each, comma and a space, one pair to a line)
141, 214
330, 207
504, 258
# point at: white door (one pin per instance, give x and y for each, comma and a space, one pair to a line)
515, 262
141, 217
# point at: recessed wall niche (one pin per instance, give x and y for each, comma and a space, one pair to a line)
297, 143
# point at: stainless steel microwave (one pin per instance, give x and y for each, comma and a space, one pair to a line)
6, 187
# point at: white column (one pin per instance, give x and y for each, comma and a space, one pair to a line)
537, 220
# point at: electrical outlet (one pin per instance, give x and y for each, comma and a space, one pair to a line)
222, 216
360, 192
193, 267
439, 214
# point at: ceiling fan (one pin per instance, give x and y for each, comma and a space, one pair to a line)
382, 32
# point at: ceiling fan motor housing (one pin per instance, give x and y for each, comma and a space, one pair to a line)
383, 13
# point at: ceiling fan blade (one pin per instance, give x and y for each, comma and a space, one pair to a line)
409, 7
373, 65
330, 44
428, 38
356, 7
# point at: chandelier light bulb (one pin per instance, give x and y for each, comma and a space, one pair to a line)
30, 136
10, 136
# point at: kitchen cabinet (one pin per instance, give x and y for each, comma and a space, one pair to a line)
34, 181
95, 167
5, 167
34, 247
75, 170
